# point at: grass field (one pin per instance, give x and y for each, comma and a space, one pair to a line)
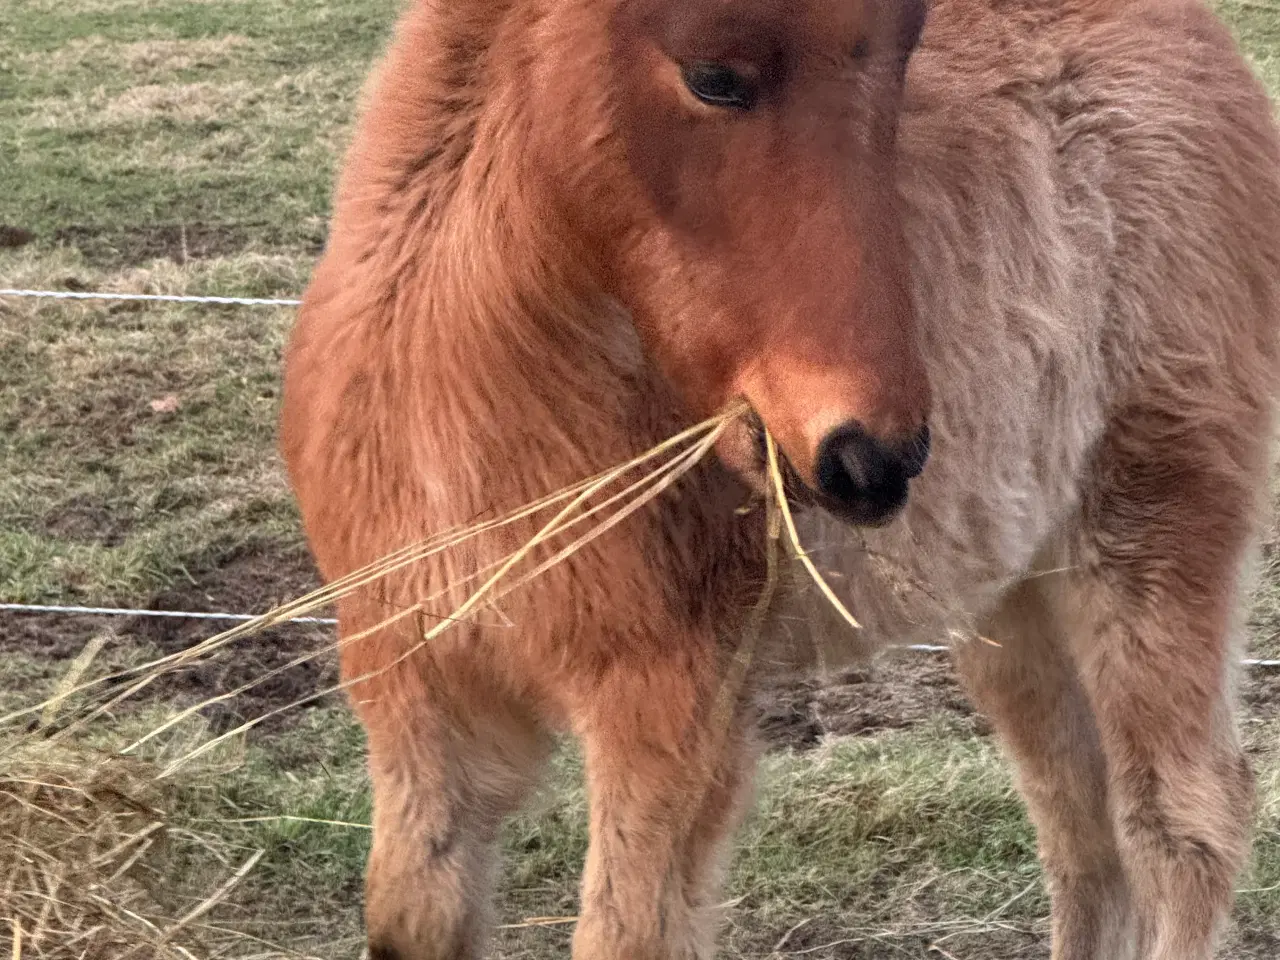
188, 146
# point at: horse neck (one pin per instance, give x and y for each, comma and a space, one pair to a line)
490, 338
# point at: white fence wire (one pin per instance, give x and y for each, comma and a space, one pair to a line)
129, 612
152, 297
39, 608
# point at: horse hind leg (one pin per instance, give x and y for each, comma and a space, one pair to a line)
1029, 689
449, 762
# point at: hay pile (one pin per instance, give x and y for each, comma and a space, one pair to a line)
88, 842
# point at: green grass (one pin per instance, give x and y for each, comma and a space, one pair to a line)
886, 843
176, 146
1257, 25
136, 114
127, 127
105, 499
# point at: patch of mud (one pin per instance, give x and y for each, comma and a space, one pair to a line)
1252, 943
902, 689
253, 582
11, 237
892, 692
85, 519
897, 690
48, 637
114, 247
110, 413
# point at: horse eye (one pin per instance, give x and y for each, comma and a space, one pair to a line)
718, 85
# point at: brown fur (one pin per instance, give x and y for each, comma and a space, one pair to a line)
1059, 242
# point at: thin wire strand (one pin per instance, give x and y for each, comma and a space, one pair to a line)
149, 298
129, 612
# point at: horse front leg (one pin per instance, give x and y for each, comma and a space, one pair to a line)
668, 776
1030, 689
451, 754
1152, 613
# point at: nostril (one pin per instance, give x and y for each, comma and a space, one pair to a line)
863, 477
852, 465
